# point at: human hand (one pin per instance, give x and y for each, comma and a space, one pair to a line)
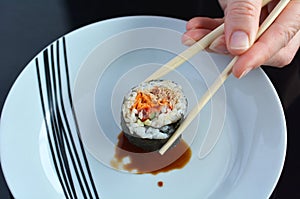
276, 47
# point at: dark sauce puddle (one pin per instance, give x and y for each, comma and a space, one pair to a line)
133, 159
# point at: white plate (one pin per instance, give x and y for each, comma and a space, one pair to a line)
238, 142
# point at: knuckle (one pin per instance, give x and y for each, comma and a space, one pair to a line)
286, 33
242, 8
284, 58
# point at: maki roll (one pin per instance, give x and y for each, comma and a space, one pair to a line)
151, 112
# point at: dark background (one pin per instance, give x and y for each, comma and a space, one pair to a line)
28, 26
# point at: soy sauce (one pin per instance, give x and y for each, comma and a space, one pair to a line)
160, 183
133, 159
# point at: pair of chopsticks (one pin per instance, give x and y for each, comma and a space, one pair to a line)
194, 49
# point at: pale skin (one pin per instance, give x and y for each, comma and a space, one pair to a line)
276, 47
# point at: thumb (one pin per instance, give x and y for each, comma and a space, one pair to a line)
241, 24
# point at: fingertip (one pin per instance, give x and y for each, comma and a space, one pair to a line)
219, 45
239, 72
239, 42
245, 72
236, 73
187, 40
203, 23
191, 36
192, 23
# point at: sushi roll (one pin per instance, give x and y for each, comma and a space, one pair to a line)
151, 112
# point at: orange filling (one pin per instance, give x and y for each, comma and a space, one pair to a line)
144, 103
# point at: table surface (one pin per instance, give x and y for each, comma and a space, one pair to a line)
26, 27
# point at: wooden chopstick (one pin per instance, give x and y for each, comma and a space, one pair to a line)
220, 80
187, 54
191, 51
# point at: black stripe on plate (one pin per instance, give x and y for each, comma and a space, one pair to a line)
63, 162
69, 138
75, 119
60, 136
48, 130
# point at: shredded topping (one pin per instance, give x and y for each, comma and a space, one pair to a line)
146, 106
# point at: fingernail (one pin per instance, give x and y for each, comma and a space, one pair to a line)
188, 42
239, 41
245, 73
219, 46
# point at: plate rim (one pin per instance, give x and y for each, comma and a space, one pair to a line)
77, 31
